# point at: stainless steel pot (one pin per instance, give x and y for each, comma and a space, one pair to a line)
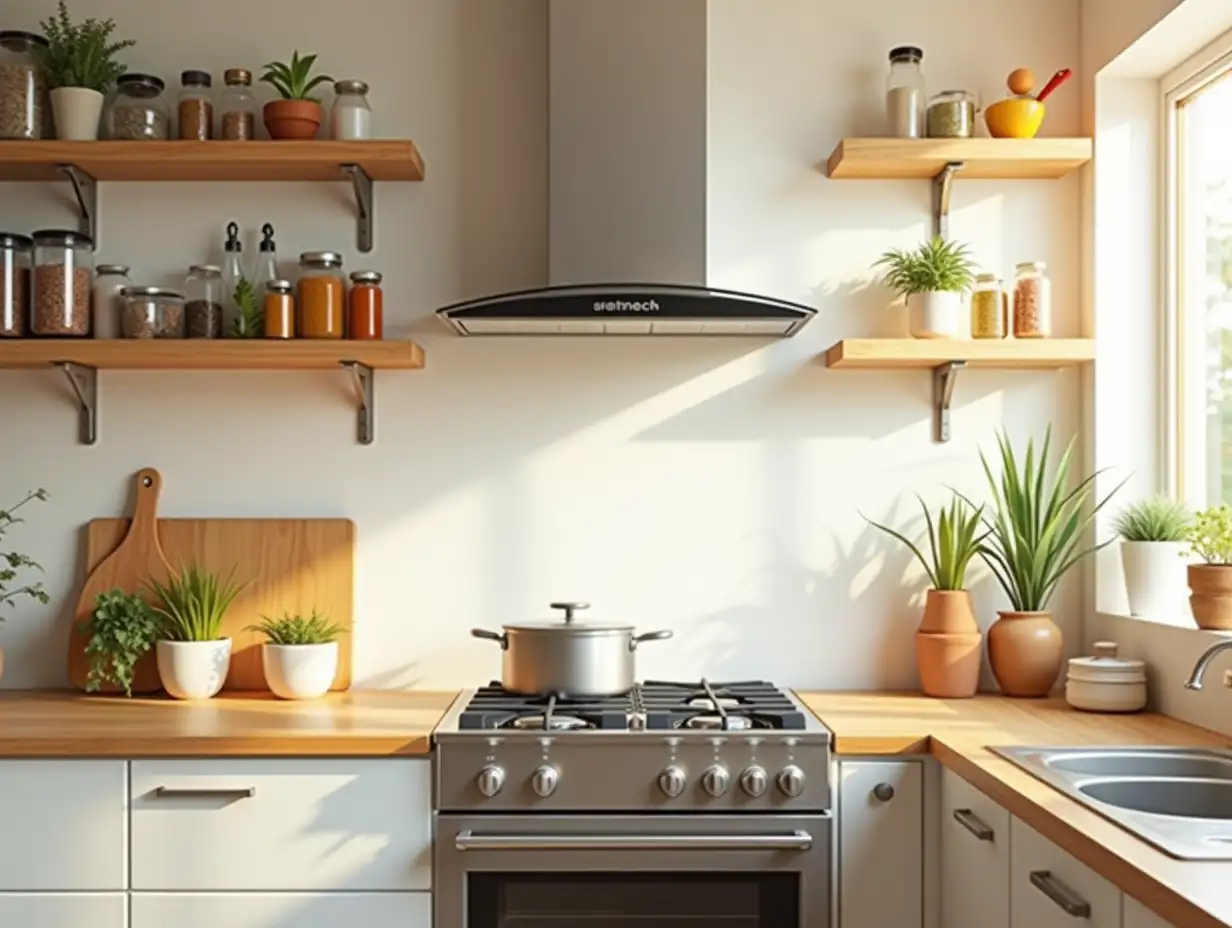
568, 658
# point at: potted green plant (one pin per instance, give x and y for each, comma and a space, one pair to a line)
13, 562
80, 61
947, 643
1210, 583
1153, 534
297, 115
193, 657
1035, 535
932, 279
300, 654
122, 629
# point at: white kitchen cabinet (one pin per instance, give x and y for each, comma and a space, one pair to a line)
269, 825
1136, 915
1050, 889
975, 857
70, 910
281, 910
66, 820
881, 840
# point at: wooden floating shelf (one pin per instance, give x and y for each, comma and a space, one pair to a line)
924, 353
924, 159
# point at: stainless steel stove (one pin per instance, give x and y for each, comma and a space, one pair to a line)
674, 804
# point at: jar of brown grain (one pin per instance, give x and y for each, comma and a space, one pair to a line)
14, 284
1032, 301
196, 106
62, 280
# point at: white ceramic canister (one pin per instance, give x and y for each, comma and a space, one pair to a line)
1105, 682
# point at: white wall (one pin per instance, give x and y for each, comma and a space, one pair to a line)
713, 487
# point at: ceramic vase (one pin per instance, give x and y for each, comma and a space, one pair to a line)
299, 671
193, 669
1210, 589
1024, 651
76, 112
947, 646
293, 119
936, 315
1154, 576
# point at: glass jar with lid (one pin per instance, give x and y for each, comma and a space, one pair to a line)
152, 312
238, 106
205, 294
322, 295
279, 309
15, 254
951, 115
906, 94
989, 307
138, 111
61, 282
196, 106
109, 281
351, 116
1032, 301
365, 305
25, 101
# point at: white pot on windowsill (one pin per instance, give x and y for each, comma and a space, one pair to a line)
938, 314
76, 112
1155, 578
193, 669
299, 671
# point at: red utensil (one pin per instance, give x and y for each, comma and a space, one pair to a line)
1054, 82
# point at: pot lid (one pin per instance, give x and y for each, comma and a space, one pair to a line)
568, 623
1105, 667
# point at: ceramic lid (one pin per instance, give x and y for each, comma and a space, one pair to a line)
1105, 667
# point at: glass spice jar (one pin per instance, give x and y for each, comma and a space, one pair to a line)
204, 291
279, 309
906, 95
951, 115
15, 254
366, 305
238, 107
25, 101
322, 295
196, 107
152, 312
106, 304
61, 281
989, 307
350, 117
138, 112
1032, 301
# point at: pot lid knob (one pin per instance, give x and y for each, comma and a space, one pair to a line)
1105, 649
569, 608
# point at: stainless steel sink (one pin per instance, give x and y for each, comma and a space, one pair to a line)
1178, 799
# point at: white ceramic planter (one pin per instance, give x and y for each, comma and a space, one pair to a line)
76, 111
299, 671
193, 669
1154, 577
937, 315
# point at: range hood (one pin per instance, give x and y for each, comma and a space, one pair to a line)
627, 186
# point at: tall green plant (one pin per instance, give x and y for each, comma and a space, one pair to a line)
953, 540
13, 562
294, 81
1159, 518
936, 266
194, 602
81, 54
1035, 532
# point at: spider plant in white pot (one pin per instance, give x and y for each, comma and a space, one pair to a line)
193, 657
300, 654
932, 279
1153, 546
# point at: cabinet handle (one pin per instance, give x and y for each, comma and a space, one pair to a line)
883, 792
1061, 894
974, 824
229, 795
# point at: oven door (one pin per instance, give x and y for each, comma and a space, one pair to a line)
618, 871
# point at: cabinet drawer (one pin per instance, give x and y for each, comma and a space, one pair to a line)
71, 818
45, 910
281, 825
975, 857
1044, 880
1136, 915
282, 910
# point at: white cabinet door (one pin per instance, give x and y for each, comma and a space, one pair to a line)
266, 825
70, 818
975, 857
75, 910
881, 838
1050, 889
1136, 915
281, 910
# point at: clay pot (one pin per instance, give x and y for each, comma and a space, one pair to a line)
293, 119
1024, 650
1210, 588
949, 665
948, 612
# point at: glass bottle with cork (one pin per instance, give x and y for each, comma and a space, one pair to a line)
238, 106
267, 260
236, 286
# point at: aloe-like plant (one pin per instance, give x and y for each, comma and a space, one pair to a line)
295, 81
954, 538
315, 628
1159, 518
122, 628
1037, 526
937, 266
193, 603
81, 54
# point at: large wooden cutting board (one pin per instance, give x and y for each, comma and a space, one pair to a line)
294, 565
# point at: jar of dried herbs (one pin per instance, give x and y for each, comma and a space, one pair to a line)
196, 106
989, 307
951, 115
205, 292
238, 107
1032, 301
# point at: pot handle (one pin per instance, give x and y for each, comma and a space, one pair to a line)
569, 608
649, 636
491, 636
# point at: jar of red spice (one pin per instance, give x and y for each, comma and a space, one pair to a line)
365, 319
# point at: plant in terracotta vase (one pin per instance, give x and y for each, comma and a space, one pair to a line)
297, 115
1210, 583
13, 562
193, 657
1153, 534
1036, 533
932, 279
947, 643
80, 61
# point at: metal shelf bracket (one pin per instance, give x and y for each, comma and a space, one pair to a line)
942, 184
364, 204
943, 392
84, 383
363, 379
85, 189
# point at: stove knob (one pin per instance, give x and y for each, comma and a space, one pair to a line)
545, 780
715, 780
754, 782
490, 780
791, 781
672, 781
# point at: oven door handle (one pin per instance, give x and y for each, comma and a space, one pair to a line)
789, 841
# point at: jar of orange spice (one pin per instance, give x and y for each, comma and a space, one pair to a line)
279, 309
322, 295
365, 319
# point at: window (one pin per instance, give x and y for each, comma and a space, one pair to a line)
1198, 116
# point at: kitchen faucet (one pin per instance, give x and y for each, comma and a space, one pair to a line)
1195, 679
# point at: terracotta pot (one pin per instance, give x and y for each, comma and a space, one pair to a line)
949, 665
948, 612
293, 119
1024, 650
1210, 588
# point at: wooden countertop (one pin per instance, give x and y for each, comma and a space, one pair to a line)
357, 723
1190, 894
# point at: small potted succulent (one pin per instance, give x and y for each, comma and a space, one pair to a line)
297, 115
193, 657
11, 562
1210, 583
300, 654
122, 629
1153, 534
81, 66
932, 279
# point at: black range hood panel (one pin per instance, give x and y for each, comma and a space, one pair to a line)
627, 309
